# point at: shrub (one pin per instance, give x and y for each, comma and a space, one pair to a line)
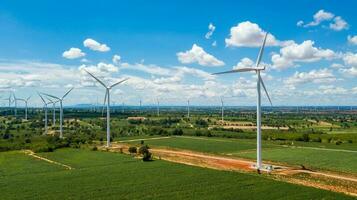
132, 150
144, 151
95, 148
177, 131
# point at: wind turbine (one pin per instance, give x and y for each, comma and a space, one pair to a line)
260, 82
53, 111
15, 101
45, 108
222, 109
10, 101
61, 108
158, 107
107, 98
188, 108
26, 103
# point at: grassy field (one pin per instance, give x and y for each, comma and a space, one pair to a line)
104, 175
312, 155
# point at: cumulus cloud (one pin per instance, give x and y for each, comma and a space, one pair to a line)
352, 71
248, 34
95, 46
337, 23
314, 76
350, 59
211, 29
116, 59
73, 53
352, 39
244, 62
304, 52
197, 55
319, 17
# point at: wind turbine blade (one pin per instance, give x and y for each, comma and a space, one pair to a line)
51, 96
266, 92
67, 93
235, 71
28, 98
105, 99
42, 98
261, 51
115, 84
96, 79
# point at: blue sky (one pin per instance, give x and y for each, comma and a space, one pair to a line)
163, 49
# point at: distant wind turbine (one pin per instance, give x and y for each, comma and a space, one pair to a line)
107, 98
188, 108
260, 82
53, 111
158, 107
61, 108
222, 109
45, 108
15, 101
26, 103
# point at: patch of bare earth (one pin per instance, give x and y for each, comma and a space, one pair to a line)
344, 183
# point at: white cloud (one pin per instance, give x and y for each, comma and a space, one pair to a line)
314, 76
300, 23
95, 46
337, 23
73, 53
332, 90
244, 62
352, 39
349, 72
248, 34
319, 17
214, 43
337, 65
197, 54
116, 59
211, 29
350, 59
304, 52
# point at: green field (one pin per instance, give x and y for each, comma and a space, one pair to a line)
104, 175
312, 155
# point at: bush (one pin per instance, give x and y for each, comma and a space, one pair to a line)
95, 148
144, 151
177, 131
132, 150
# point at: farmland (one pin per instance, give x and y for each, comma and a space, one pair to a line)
316, 141
108, 175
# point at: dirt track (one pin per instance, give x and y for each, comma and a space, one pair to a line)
31, 153
324, 180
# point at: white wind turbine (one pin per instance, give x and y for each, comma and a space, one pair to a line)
158, 107
260, 82
188, 108
45, 108
26, 103
222, 109
10, 101
61, 108
53, 111
15, 101
107, 98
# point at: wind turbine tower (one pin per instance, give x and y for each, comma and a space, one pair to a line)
107, 98
260, 83
61, 108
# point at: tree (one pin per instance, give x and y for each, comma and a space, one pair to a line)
144, 151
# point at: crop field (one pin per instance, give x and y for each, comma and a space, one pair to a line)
328, 157
106, 175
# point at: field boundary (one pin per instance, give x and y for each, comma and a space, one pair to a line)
32, 154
